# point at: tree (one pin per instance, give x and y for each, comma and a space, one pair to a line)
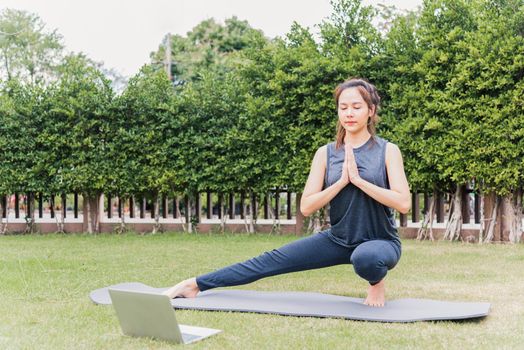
488, 91
27, 50
8, 125
81, 105
23, 169
209, 44
428, 126
141, 138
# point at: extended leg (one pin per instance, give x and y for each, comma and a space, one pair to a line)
311, 252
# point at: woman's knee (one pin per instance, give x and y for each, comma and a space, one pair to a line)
371, 260
369, 265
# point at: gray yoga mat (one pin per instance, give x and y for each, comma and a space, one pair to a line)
312, 304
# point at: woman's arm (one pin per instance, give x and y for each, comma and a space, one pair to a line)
398, 196
313, 197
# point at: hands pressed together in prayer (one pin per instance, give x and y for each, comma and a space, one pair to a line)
350, 169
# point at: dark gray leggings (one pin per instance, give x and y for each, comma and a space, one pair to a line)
371, 261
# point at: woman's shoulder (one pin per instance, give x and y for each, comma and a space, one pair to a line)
392, 150
381, 140
321, 154
322, 151
386, 143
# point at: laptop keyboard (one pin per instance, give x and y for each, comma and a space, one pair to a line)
189, 337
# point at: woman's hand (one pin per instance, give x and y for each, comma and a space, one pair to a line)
344, 178
351, 163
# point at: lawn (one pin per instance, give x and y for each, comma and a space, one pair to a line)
45, 281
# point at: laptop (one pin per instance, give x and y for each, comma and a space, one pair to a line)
149, 314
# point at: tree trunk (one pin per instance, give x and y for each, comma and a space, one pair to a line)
189, 216
482, 220
96, 209
122, 228
246, 221
275, 228
325, 217
178, 214
177, 207
6, 65
316, 221
92, 213
511, 217
491, 204
223, 215
299, 218
87, 211
426, 229
30, 213
157, 227
454, 224
59, 217
253, 212
3, 225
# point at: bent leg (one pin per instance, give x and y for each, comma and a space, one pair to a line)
372, 259
307, 253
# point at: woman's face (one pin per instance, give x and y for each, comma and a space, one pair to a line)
353, 111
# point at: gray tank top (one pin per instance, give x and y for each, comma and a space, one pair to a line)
355, 216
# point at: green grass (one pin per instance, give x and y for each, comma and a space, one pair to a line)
45, 281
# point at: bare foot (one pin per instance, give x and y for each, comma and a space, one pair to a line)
185, 289
376, 295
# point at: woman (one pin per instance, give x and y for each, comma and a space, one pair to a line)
362, 177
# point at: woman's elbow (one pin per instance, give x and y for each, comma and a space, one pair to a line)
404, 207
305, 212
304, 209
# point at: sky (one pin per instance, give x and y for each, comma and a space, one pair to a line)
122, 33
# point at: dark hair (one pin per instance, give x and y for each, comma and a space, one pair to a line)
370, 95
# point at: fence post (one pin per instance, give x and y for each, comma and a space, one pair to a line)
64, 205
440, 207
4, 206
209, 205
415, 207
220, 204
17, 206
198, 207
120, 207
277, 204
28, 206
40, 205
109, 206
254, 205
164, 206
465, 205
242, 200
131, 207
266, 205
76, 205
477, 208
142, 207
187, 208
231, 205
288, 205
52, 205
153, 205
